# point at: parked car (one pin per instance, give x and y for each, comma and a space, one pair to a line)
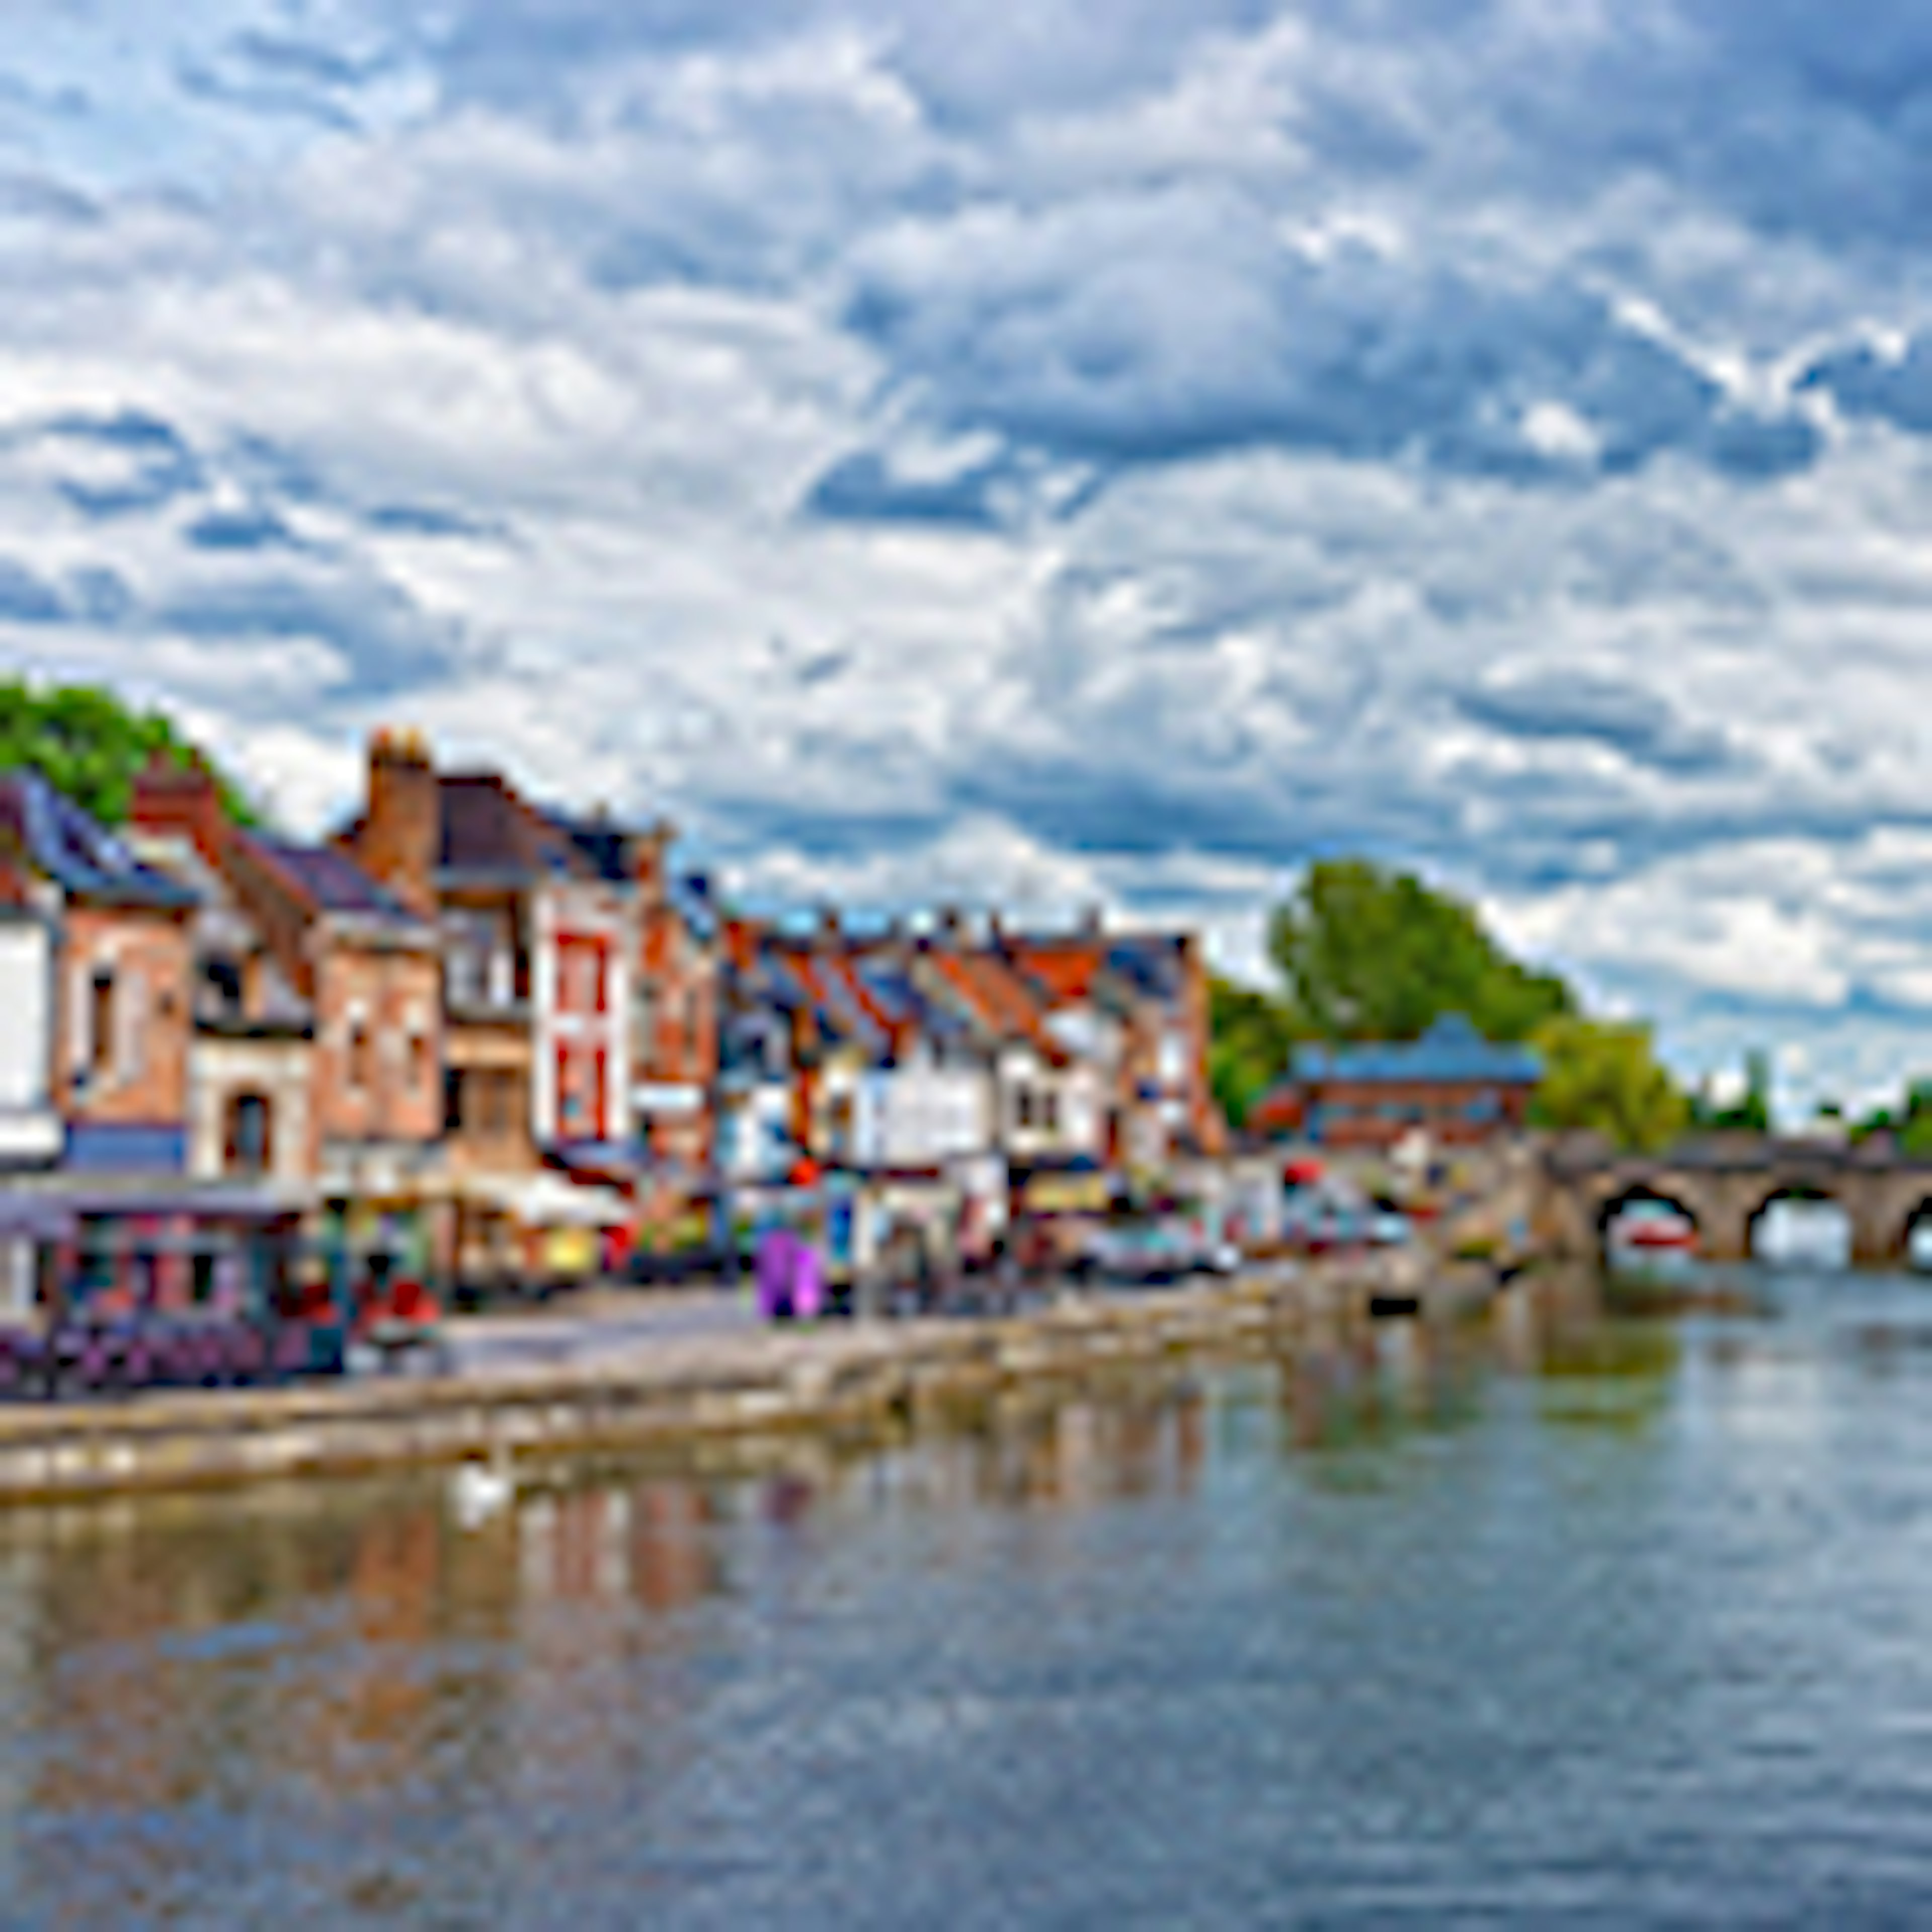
1151, 1254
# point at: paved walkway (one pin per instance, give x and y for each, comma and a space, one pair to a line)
597, 1325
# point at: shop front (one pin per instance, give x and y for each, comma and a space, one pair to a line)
533, 1233
172, 1285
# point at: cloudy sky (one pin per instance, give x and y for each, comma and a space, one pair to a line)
1091, 450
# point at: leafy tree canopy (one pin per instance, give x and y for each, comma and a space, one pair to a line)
1750, 1112
1603, 1075
1251, 1035
1910, 1120
1369, 954
87, 743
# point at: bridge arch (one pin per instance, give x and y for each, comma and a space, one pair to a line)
1799, 1190
1616, 1200
1916, 1220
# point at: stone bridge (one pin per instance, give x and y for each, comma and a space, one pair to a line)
1724, 1182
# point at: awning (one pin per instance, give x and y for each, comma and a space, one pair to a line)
23, 1217
213, 1201
1067, 1193
607, 1160
547, 1200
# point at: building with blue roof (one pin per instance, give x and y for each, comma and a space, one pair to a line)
1451, 1085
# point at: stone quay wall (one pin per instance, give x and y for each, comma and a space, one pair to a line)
777, 1379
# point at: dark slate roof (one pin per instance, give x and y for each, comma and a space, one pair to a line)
487, 829
1152, 964
335, 882
602, 846
847, 1016
899, 995
697, 905
78, 854
1451, 1051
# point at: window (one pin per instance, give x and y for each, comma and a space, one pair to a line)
1023, 1108
101, 1022
362, 1057
1049, 1112
500, 1097
249, 1138
454, 1082
222, 996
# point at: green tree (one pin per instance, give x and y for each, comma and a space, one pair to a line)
1602, 1075
90, 746
1369, 954
1750, 1112
1910, 1119
1251, 1034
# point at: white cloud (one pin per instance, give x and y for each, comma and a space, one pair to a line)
1262, 434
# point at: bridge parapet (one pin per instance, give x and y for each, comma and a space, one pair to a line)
1724, 1182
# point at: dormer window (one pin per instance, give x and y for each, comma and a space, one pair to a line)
222, 988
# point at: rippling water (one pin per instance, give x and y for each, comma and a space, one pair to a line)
1570, 1622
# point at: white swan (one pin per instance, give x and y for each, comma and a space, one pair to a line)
478, 1490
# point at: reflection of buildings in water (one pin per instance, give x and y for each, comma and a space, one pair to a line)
20, 1585
1325, 1393
673, 1561
651, 1543
602, 1697
1083, 1449
1514, 1329
1405, 1357
364, 1722
787, 1499
1080, 1453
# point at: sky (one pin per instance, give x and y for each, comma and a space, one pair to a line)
1090, 451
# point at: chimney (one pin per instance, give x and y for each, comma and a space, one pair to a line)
180, 801
1092, 922
952, 924
402, 835
647, 862
996, 929
829, 932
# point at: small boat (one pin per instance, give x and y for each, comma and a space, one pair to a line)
1654, 1229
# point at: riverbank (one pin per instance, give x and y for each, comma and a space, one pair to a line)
667, 1391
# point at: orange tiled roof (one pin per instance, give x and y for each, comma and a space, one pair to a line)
1067, 969
999, 997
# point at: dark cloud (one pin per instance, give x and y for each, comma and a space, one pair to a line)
1162, 330
27, 598
157, 462
969, 70
295, 102
100, 596
1636, 723
862, 488
252, 528
388, 644
1863, 383
43, 197
286, 59
428, 520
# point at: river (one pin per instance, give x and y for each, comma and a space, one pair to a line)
1567, 1620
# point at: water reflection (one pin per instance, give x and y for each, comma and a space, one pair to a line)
1142, 1624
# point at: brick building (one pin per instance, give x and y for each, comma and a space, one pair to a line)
317, 1045
537, 912
1452, 1085
676, 1015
